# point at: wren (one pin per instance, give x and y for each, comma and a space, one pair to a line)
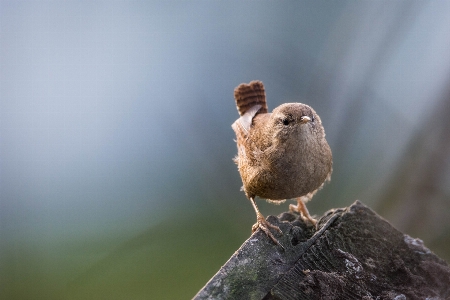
281, 155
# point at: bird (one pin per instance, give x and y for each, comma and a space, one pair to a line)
280, 155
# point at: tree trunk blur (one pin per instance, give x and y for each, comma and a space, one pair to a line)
418, 198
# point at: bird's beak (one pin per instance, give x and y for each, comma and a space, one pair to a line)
305, 119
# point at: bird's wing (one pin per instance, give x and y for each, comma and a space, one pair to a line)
246, 119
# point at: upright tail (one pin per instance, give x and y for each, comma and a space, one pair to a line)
249, 95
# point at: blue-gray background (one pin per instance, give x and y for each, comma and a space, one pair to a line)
116, 178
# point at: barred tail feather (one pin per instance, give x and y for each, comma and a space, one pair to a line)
249, 95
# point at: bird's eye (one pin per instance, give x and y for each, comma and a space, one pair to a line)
285, 122
312, 118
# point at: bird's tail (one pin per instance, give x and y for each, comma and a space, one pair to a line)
249, 95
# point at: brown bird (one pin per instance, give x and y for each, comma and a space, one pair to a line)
281, 155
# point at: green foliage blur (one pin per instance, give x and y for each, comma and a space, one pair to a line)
168, 261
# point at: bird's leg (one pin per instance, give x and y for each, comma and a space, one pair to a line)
301, 208
262, 223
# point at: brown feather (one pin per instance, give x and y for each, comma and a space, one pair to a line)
249, 95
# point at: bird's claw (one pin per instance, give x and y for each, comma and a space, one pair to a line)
265, 225
304, 214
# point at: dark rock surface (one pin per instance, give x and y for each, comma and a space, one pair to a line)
354, 254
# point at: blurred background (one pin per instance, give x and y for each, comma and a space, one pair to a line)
116, 147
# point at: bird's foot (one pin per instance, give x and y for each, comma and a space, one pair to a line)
301, 209
265, 225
